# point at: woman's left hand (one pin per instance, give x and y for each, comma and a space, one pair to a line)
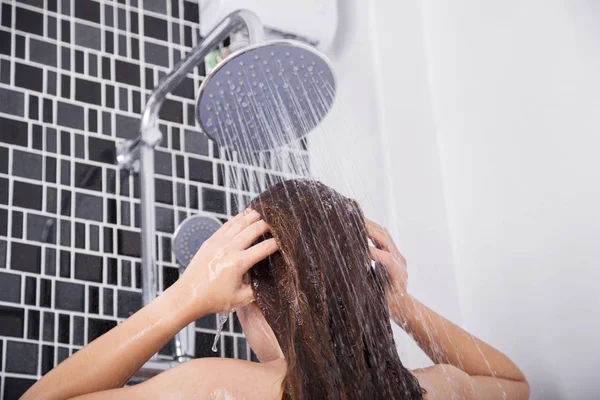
213, 281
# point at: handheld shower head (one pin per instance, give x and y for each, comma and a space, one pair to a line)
265, 95
190, 235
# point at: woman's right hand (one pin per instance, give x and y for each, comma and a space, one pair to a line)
386, 253
213, 281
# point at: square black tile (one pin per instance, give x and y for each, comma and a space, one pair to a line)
162, 163
13, 131
101, 150
10, 287
70, 115
164, 220
214, 201
69, 296
29, 21
21, 358
89, 207
26, 257
128, 243
97, 327
88, 267
126, 72
29, 77
163, 191
170, 276
12, 321
155, 28
128, 303
88, 176
41, 228
204, 342
200, 170
88, 91
14, 388
88, 10
27, 195
196, 142
190, 12
172, 110
208, 322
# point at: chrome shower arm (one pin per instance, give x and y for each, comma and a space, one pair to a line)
142, 148
129, 152
197, 55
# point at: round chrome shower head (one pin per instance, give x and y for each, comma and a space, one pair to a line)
266, 95
190, 235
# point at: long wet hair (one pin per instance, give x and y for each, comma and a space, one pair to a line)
324, 301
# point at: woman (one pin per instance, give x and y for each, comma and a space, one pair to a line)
319, 324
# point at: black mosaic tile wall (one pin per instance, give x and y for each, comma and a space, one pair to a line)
74, 75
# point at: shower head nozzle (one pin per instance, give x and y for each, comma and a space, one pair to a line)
190, 235
266, 95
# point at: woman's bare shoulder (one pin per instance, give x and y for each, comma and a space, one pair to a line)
442, 381
217, 378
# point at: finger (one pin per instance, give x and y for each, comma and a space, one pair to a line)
249, 235
378, 235
381, 256
236, 218
243, 222
257, 253
246, 296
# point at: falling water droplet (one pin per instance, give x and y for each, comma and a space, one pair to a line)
222, 319
244, 104
209, 123
228, 121
232, 86
310, 68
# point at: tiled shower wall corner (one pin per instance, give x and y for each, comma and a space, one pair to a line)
74, 75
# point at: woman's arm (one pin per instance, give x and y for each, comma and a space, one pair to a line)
109, 361
443, 341
211, 283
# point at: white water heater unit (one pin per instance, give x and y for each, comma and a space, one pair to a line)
314, 21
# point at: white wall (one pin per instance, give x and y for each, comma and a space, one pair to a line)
517, 107
472, 130
379, 145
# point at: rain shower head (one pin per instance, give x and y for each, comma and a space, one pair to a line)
265, 95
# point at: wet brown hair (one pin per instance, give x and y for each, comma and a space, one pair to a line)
323, 300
